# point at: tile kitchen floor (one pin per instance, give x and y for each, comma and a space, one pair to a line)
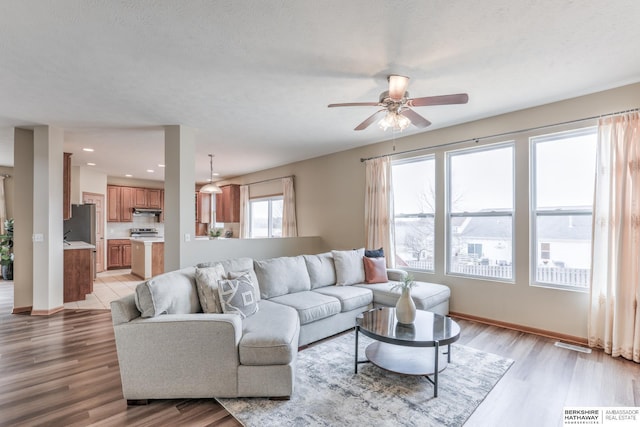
108, 286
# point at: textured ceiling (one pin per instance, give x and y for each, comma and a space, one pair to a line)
254, 77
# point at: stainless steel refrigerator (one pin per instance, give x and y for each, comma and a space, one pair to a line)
81, 227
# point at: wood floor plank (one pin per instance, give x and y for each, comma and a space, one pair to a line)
62, 370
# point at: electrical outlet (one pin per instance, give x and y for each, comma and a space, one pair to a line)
38, 238
187, 237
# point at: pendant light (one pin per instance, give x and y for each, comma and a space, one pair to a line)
210, 187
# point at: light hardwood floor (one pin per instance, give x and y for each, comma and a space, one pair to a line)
62, 370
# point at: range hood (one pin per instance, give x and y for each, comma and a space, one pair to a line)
146, 211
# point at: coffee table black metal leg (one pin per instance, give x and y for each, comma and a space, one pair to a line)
356, 359
449, 353
435, 375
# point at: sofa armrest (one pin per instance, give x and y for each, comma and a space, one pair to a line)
124, 310
396, 275
179, 355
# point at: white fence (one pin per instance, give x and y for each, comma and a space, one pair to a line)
578, 277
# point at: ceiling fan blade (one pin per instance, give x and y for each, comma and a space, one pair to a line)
397, 86
372, 118
458, 98
355, 104
415, 118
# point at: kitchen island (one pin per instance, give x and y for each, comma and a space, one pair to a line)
147, 256
78, 270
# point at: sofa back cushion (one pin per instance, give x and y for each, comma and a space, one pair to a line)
322, 270
349, 266
280, 276
169, 293
236, 267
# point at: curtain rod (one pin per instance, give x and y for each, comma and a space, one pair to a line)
269, 180
446, 144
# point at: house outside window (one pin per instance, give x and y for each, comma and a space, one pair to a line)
480, 212
414, 212
563, 174
266, 217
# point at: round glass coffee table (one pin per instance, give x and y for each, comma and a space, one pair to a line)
407, 349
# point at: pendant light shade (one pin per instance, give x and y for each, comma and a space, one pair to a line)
210, 187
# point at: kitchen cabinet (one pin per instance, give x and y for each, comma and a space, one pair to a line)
121, 201
203, 208
153, 198
161, 219
118, 253
148, 257
78, 274
228, 204
66, 186
126, 204
113, 203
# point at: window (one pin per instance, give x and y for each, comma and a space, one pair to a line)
414, 211
266, 217
563, 169
480, 212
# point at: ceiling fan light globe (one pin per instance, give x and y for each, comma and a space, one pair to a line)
395, 121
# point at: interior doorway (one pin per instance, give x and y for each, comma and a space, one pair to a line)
98, 200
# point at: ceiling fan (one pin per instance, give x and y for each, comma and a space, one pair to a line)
395, 102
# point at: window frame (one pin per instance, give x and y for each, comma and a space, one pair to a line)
416, 159
547, 212
449, 214
270, 200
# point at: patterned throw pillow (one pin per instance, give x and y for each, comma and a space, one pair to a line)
237, 296
207, 285
374, 253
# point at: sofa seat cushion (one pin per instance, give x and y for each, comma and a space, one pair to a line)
310, 305
270, 336
169, 293
350, 297
281, 276
425, 295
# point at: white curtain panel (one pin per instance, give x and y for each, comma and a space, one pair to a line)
289, 224
614, 317
378, 210
3, 205
244, 212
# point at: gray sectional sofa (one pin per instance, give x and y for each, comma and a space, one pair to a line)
169, 348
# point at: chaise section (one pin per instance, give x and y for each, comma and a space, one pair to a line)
270, 337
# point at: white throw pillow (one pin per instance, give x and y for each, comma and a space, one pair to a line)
207, 284
349, 266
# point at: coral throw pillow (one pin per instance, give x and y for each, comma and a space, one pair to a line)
375, 270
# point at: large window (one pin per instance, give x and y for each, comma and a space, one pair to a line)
414, 211
480, 212
563, 173
266, 217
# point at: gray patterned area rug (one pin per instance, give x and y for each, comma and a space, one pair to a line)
328, 393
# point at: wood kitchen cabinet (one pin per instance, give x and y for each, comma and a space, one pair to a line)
66, 186
121, 201
203, 208
118, 253
228, 204
113, 203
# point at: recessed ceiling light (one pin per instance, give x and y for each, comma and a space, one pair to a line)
128, 175
91, 164
150, 170
216, 174
90, 150
160, 166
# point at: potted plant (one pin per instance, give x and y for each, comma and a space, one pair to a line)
6, 250
215, 233
405, 307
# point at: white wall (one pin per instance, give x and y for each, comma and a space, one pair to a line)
330, 203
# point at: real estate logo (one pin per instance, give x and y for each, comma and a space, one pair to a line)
605, 416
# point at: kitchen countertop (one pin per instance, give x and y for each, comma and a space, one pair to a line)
78, 245
159, 239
